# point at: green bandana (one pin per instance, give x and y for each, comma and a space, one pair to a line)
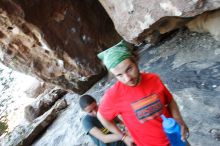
114, 55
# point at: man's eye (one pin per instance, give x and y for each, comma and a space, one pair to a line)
119, 75
129, 69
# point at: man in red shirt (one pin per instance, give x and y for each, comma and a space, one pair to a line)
139, 98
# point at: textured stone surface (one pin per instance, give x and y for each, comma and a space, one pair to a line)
131, 17
208, 21
57, 41
36, 88
43, 103
24, 135
189, 64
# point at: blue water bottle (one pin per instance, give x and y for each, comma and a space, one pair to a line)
172, 130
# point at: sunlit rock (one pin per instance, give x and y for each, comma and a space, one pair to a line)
207, 22
42, 104
140, 15
24, 135
36, 88
56, 41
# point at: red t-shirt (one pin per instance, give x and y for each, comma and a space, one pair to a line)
140, 108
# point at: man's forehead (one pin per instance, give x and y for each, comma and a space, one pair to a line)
121, 67
114, 55
93, 104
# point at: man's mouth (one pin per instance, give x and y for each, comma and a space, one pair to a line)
132, 81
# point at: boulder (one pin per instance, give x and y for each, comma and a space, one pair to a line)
207, 22
35, 88
25, 135
56, 41
43, 104
132, 17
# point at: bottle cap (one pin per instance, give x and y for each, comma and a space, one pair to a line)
168, 123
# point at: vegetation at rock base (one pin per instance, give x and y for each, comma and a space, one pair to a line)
3, 127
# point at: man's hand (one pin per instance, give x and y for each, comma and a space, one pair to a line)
184, 132
173, 107
129, 141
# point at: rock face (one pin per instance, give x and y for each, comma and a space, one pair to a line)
44, 103
24, 135
131, 17
57, 41
36, 88
208, 21
188, 63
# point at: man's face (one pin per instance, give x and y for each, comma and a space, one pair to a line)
127, 72
92, 109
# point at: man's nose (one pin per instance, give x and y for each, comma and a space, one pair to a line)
127, 78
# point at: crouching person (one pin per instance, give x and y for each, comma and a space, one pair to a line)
99, 134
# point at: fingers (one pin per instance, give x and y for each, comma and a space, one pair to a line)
184, 132
128, 141
187, 135
133, 144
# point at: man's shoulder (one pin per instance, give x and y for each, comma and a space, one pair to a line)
87, 118
89, 122
115, 90
147, 75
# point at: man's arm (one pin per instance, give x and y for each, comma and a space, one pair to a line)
111, 125
106, 138
173, 107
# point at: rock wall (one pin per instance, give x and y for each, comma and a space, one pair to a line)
131, 17
57, 41
26, 134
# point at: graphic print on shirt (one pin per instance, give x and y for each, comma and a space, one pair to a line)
147, 108
104, 130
